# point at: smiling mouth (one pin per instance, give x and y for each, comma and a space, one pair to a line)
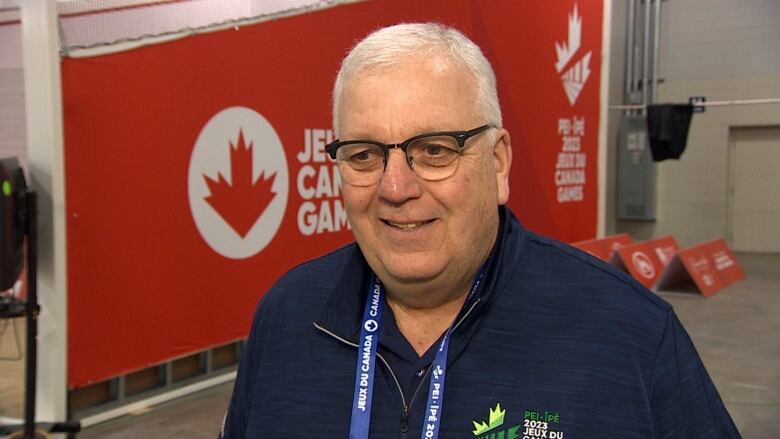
405, 225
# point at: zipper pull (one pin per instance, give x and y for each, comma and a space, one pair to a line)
405, 421
404, 425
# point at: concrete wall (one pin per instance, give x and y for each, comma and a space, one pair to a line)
721, 49
617, 79
12, 125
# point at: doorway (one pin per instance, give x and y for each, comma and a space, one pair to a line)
754, 189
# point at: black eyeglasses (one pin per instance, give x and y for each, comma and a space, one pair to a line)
432, 156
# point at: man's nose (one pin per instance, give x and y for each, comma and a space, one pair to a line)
399, 183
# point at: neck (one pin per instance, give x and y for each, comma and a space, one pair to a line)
424, 310
423, 318
423, 326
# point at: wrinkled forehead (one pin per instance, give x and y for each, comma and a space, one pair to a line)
423, 93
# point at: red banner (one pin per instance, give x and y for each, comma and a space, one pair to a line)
196, 176
547, 56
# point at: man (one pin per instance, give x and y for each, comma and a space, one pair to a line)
447, 318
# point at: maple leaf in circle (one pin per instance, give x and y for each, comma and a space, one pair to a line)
241, 201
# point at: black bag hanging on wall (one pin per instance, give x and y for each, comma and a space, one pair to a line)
667, 128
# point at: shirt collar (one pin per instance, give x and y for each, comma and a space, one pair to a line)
343, 310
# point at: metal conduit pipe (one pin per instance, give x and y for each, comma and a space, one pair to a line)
646, 52
656, 48
760, 101
630, 52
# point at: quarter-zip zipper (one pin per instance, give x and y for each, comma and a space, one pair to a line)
422, 380
387, 365
406, 407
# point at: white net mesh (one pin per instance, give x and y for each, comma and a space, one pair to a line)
86, 24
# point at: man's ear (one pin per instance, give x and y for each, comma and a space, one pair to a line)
502, 155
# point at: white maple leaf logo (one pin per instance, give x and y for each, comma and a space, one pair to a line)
575, 77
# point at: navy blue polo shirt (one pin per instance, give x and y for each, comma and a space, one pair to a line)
410, 369
557, 343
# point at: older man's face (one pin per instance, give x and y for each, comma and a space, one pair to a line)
409, 229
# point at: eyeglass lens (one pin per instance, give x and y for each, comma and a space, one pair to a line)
431, 157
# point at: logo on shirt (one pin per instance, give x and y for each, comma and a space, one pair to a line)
535, 425
575, 77
541, 425
495, 420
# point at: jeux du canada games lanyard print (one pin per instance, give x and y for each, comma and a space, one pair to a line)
366, 362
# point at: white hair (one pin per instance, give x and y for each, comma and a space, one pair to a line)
391, 46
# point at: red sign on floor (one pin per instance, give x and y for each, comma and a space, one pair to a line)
646, 260
711, 266
603, 248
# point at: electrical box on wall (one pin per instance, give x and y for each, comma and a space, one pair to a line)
636, 170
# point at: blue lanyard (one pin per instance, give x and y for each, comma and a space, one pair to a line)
366, 362
364, 371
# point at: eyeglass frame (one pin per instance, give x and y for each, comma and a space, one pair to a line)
459, 136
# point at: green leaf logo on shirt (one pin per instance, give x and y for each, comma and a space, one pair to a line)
496, 419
